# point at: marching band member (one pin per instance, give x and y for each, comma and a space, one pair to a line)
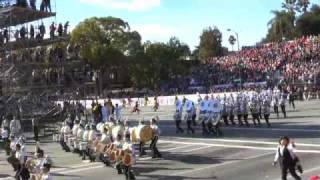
275, 102
245, 110
46, 172
84, 142
203, 116
255, 110
178, 115
74, 133
266, 106
156, 104
225, 110
216, 116
238, 109
91, 138
194, 114
136, 108
15, 127
230, 108
283, 104
65, 132
156, 134
6, 141
128, 159
20, 156
78, 139
118, 145
117, 112
210, 107
188, 115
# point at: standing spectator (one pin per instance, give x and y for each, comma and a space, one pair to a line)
60, 30
35, 125
66, 26
23, 32
291, 100
52, 30
6, 35
31, 32
1, 39
33, 4
47, 5
42, 30
16, 35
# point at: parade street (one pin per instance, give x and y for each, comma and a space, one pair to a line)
243, 153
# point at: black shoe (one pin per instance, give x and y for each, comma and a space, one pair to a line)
299, 167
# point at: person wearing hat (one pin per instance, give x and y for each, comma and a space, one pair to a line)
20, 156
230, 109
178, 115
285, 157
203, 115
266, 108
156, 133
78, 139
117, 112
35, 125
65, 132
245, 110
283, 104
6, 141
188, 116
84, 142
45, 174
254, 107
129, 150
15, 127
91, 138
118, 143
74, 131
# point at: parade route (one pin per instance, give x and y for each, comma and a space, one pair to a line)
241, 154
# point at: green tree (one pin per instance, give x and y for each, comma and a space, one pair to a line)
280, 27
210, 43
309, 22
106, 43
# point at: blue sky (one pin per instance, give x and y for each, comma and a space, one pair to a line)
158, 20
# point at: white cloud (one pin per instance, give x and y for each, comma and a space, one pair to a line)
155, 32
130, 5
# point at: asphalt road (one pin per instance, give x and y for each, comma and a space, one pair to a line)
241, 154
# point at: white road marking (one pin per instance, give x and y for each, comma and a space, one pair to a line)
196, 149
261, 129
81, 169
217, 165
75, 166
238, 146
175, 148
247, 141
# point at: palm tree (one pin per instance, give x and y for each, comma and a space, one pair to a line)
303, 5
280, 26
232, 41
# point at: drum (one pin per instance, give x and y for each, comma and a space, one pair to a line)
127, 159
119, 154
117, 130
31, 165
100, 148
141, 133
112, 156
